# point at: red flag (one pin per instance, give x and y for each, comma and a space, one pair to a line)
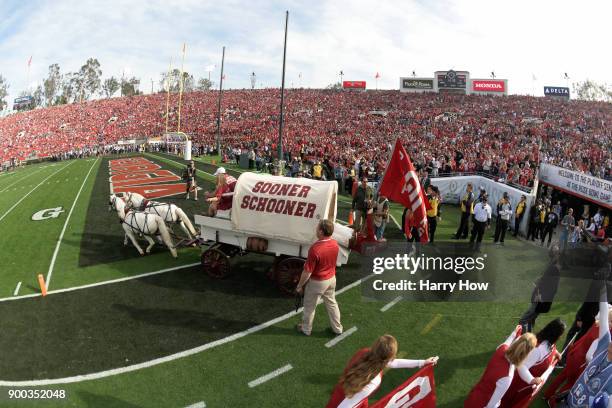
419, 391
401, 184
377, 75
30, 61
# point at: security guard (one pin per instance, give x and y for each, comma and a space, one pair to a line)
482, 220
467, 209
518, 214
433, 196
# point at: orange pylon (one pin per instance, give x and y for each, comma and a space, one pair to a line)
350, 220
43, 287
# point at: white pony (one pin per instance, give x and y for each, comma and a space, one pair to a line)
148, 225
170, 213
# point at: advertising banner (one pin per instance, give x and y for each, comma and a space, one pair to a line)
282, 207
489, 85
560, 91
594, 189
354, 84
417, 83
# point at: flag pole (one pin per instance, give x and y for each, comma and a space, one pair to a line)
282, 101
219, 104
28, 73
168, 93
178, 128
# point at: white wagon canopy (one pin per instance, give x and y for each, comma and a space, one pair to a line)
282, 207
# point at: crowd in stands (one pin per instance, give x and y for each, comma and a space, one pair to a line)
504, 137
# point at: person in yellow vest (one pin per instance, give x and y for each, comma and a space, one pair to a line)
433, 196
519, 211
317, 171
541, 221
467, 209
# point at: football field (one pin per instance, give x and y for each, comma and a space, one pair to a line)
122, 330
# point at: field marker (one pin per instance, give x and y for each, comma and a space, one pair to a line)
200, 404
59, 241
436, 319
390, 304
31, 191
41, 283
91, 285
17, 289
341, 337
270, 376
171, 357
17, 181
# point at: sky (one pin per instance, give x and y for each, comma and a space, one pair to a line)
519, 40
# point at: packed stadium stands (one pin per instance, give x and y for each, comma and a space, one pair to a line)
500, 136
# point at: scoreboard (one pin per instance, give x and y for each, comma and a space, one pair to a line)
452, 81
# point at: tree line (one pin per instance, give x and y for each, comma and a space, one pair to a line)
87, 83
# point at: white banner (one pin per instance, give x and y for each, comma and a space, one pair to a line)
282, 207
452, 188
584, 186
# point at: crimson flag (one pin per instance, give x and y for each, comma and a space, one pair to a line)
419, 391
377, 75
401, 184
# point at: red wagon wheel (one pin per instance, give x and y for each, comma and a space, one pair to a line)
215, 263
288, 272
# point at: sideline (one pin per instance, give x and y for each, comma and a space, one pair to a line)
171, 357
108, 282
59, 240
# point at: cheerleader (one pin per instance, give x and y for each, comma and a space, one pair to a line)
499, 372
363, 373
534, 366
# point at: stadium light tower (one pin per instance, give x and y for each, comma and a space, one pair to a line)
282, 101
253, 80
413, 74
341, 76
493, 74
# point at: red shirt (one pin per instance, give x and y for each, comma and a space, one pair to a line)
321, 261
338, 394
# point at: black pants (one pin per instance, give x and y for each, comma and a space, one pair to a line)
462, 232
532, 231
500, 230
478, 231
433, 223
517, 224
548, 230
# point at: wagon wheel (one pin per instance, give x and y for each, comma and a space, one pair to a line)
215, 263
288, 272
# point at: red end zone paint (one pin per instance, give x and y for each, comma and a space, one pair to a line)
142, 176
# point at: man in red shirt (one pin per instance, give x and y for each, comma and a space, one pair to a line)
319, 279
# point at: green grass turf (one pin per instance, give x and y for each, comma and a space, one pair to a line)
464, 336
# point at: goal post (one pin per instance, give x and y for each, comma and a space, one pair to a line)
182, 140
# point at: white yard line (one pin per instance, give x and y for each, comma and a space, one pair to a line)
180, 164
341, 337
390, 304
200, 404
17, 289
171, 357
395, 221
21, 179
59, 240
32, 190
92, 285
270, 376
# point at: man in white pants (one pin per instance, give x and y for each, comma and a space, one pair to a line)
319, 279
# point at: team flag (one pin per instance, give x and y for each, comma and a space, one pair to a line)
30, 61
401, 184
377, 75
419, 391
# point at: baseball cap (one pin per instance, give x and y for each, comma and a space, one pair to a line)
220, 170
